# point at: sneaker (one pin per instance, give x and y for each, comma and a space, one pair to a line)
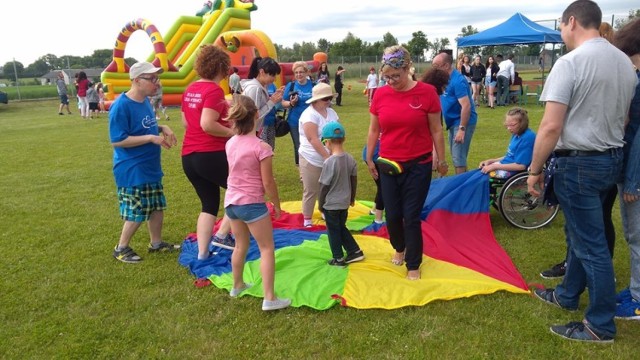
126, 255
337, 262
623, 296
60, 114
557, 271
268, 305
307, 223
549, 296
163, 247
353, 257
629, 310
228, 242
579, 331
235, 292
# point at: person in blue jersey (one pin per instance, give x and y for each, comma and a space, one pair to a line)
137, 138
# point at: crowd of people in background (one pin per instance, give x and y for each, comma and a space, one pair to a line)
229, 144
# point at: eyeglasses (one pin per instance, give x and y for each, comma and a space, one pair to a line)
510, 125
299, 72
394, 77
328, 98
154, 80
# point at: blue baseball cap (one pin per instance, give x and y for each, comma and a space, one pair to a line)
333, 130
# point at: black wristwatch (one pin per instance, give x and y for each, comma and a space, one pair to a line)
462, 128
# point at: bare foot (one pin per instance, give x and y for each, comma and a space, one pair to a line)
398, 258
413, 275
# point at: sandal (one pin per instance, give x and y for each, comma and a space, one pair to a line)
398, 258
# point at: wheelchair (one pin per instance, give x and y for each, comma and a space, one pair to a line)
510, 197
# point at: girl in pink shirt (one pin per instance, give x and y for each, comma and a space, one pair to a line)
250, 177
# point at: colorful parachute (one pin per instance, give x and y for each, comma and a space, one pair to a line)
461, 255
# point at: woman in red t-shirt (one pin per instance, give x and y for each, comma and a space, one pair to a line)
204, 160
405, 112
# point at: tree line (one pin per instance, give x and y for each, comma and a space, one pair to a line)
421, 48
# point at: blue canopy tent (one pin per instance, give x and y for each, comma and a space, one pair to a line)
517, 30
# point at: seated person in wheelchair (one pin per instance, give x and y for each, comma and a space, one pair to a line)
520, 150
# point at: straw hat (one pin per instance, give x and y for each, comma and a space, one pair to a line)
321, 91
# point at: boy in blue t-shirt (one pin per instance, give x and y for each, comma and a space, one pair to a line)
338, 181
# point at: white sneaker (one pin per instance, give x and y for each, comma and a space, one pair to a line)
235, 292
275, 304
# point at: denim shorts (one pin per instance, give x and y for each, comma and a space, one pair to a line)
490, 83
247, 213
460, 151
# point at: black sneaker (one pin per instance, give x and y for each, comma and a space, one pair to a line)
353, 257
549, 296
163, 247
580, 331
557, 271
337, 262
126, 255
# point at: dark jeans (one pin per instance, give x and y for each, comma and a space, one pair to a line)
404, 196
295, 136
581, 184
339, 236
378, 200
339, 97
503, 90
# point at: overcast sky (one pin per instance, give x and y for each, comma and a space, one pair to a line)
34, 28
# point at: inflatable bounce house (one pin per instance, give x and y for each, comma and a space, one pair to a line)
224, 23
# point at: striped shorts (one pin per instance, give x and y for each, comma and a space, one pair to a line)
138, 202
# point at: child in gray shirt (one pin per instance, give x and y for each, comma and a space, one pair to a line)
337, 192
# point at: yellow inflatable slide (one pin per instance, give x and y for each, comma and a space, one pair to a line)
225, 23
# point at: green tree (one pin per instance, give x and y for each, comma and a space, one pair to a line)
418, 45
466, 31
619, 23
307, 49
324, 45
439, 44
8, 70
389, 40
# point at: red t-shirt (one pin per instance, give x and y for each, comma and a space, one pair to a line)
403, 120
83, 85
197, 96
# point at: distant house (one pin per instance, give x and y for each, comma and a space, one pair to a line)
69, 75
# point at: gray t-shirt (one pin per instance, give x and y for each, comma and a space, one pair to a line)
337, 171
62, 86
596, 81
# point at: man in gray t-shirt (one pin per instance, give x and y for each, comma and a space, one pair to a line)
587, 96
63, 93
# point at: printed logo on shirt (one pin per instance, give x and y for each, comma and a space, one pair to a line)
415, 103
149, 122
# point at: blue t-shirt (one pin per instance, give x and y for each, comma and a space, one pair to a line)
458, 88
136, 165
304, 94
270, 118
520, 149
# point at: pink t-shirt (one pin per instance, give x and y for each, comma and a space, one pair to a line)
197, 96
403, 118
244, 184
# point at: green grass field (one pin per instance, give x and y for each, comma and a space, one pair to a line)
64, 296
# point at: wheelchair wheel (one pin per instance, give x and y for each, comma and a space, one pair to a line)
520, 208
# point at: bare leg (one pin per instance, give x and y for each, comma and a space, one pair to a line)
128, 229
204, 228
262, 231
460, 169
225, 227
239, 252
155, 226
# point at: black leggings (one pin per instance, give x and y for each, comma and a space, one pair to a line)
207, 172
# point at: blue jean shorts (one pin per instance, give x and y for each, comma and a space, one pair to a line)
460, 151
247, 213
